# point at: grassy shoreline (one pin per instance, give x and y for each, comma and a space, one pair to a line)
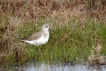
72, 41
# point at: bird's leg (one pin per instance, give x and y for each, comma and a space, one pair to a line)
36, 49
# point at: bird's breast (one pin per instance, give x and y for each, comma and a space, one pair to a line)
43, 39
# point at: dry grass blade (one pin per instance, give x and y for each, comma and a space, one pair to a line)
98, 49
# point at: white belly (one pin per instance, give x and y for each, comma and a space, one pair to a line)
41, 40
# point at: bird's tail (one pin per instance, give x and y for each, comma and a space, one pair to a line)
22, 40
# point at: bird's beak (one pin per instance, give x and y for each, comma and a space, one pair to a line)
51, 29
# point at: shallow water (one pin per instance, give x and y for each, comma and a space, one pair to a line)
55, 67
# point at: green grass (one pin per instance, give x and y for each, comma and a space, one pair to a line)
68, 43
72, 41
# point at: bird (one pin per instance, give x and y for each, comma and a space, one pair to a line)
40, 37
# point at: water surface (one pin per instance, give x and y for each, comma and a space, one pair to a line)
55, 67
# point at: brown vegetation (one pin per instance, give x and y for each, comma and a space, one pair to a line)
33, 9
95, 58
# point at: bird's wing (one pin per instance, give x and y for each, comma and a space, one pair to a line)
35, 36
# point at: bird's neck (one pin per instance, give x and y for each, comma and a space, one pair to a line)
45, 31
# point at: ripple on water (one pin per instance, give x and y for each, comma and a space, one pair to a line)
55, 67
